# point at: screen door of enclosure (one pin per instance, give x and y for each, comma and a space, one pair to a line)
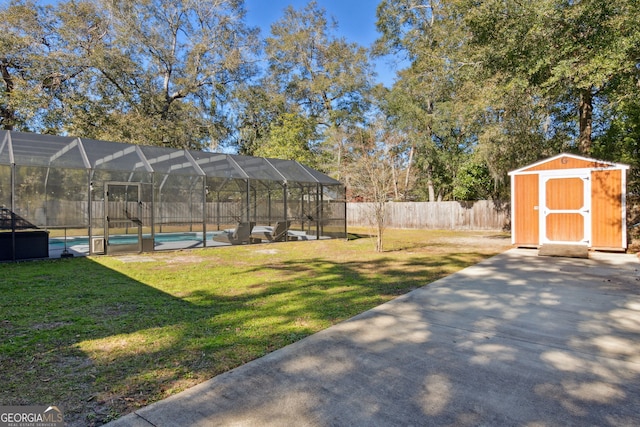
565, 202
123, 213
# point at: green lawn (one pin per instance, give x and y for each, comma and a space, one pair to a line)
102, 336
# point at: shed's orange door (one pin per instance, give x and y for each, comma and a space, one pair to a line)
565, 215
526, 215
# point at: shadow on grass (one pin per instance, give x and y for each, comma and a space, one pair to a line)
100, 343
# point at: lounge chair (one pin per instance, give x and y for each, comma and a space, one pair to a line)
239, 236
278, 233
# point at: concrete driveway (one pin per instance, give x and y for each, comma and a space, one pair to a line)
516, 340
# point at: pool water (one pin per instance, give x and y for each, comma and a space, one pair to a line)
130, 239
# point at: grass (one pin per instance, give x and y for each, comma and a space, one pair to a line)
102, 336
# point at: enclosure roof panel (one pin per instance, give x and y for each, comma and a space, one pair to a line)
6, 153
322, 178
218, 165
170, 160
115, 156
292, 171
30, 149
257, 168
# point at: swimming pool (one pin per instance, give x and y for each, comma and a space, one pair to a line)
130, 239
120, 243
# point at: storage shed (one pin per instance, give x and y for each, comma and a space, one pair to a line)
572, 200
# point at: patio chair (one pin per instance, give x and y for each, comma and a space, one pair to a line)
240, 235
278, 233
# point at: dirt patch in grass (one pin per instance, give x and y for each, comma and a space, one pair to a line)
103, 336
181, 258
493, 241
135, 258
49, 326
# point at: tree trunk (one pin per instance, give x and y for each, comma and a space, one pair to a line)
380, 208
394, 174
380, 240
6, 111
408, 174
432, 191
586, 117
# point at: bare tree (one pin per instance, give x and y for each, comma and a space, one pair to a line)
372, 174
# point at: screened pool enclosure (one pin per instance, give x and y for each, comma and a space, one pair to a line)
76, 195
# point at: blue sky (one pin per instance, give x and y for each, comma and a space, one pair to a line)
356, 22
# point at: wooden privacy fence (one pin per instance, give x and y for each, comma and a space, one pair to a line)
478, 215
